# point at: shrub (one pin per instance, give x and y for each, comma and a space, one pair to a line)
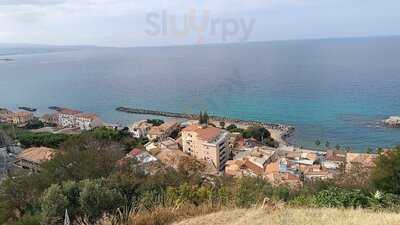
28, 220
386, 175
155, 122
96, 199
29, 139
337, 197
53, 204
250, 191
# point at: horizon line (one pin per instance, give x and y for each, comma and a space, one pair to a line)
194, 45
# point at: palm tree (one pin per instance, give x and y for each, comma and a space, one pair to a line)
327, 144
317, 143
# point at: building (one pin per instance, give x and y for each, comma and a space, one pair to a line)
140, 129
69, 118
31, 158
258, 159
49, 118
162, 132
207, 143
20, 118
87, 121
5, 115
360, 161
66, 117
169, 144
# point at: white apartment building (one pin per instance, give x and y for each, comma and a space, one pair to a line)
73, 118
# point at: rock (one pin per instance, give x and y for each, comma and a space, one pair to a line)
393, 121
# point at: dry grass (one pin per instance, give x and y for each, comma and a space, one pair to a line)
293, 216
163, 216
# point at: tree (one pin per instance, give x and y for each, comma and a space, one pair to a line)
206, 118
96, 199
327, 144
82, 158
201, 118
155, 122
386, 174
337, 147
53, 204
317, 143
222, 124
231, 127
29, 139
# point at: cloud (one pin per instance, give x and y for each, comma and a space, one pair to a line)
123, 22
30, 2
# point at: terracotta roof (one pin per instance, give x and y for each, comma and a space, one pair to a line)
135, 152
367, 160
36, 155
69, 111
162, 128
87, 116
22, 114
191, 128
273, 167
209, 133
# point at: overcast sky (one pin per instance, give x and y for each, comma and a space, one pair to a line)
156, 22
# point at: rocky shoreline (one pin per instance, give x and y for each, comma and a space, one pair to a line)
393, 121
284, 130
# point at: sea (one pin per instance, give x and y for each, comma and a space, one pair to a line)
332, 90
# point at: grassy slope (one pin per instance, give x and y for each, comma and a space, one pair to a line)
295, 217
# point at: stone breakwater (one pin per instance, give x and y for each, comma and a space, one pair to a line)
285, 129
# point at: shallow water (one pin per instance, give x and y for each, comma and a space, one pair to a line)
332, 90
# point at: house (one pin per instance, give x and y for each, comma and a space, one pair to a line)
169, 144
5, 115
151, 146
31, 158
317, 175
20, 118
162, 132
141, 156
258, 159
70, 118
360, 160
66, 117
285, 178
140, 129
336, 156
235, 168
207, 143
87, 121
49, 118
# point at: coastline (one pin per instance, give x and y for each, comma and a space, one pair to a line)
280, 132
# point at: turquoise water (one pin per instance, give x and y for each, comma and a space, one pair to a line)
332, 90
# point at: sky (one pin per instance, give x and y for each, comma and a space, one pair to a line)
126, 23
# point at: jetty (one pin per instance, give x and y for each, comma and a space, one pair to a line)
286, 129
29, 109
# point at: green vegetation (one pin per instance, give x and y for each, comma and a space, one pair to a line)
204, 118
29, 139
34, 124
257, 132
386, 177
155, 122
86, 178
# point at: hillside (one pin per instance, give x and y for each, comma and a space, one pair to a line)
295, 217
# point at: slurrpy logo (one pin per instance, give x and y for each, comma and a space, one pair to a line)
199, 24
